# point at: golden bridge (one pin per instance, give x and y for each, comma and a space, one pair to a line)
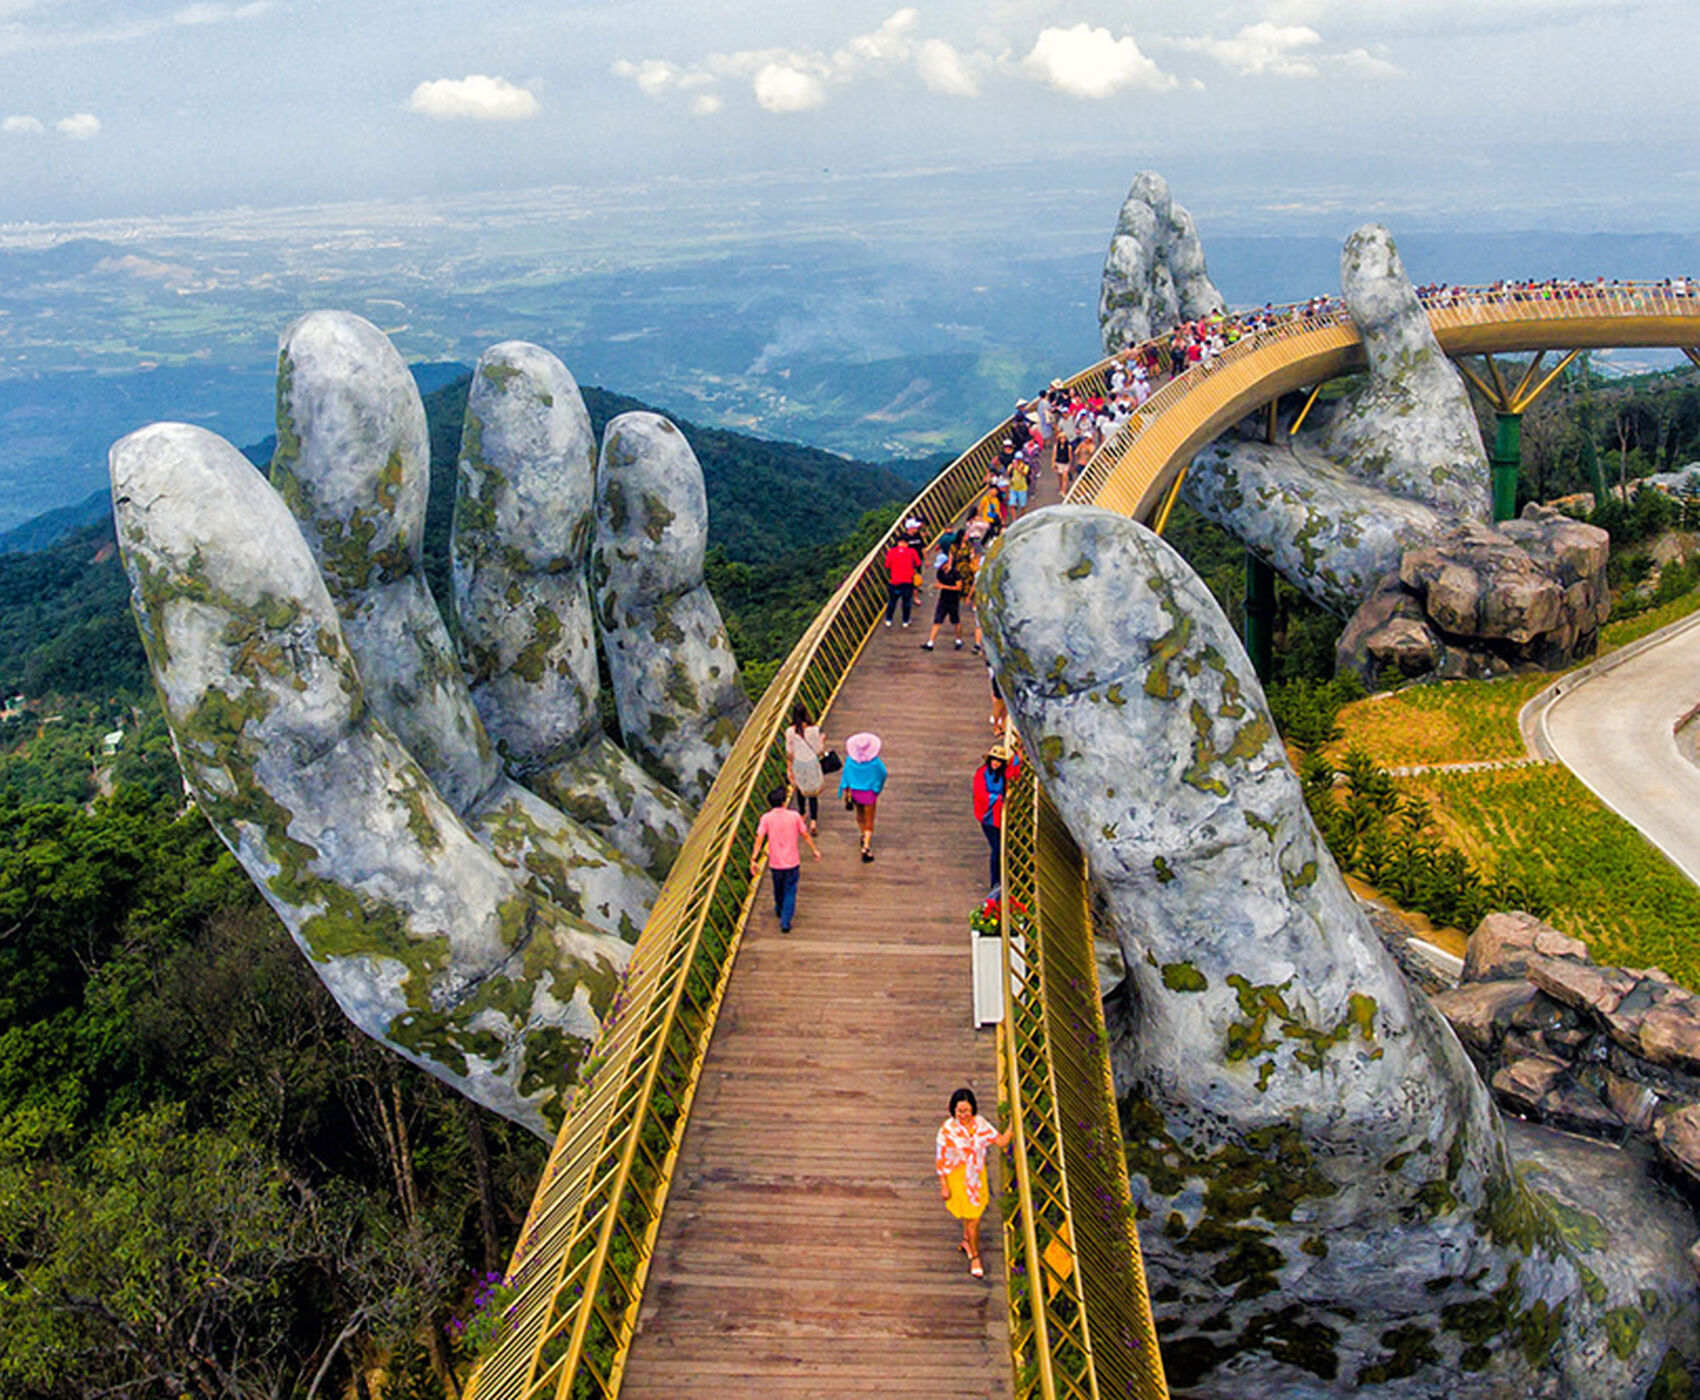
741, 1198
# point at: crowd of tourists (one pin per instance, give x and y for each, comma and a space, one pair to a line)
1440, 295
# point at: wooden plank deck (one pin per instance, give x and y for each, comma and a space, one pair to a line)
805, 1252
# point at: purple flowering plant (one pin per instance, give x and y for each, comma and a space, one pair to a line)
487, 1318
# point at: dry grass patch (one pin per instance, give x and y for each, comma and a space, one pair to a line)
1448, 722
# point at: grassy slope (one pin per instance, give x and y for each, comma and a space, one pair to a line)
1540, 825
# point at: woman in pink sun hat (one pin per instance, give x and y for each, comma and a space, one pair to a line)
860, 783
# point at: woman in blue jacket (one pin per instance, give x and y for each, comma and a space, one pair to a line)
860, 783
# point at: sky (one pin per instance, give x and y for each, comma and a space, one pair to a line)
1569, 113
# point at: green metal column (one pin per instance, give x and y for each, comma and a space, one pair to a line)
1507, 464
1260, 615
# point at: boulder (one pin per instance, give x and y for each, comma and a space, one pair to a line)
1522, 1084
1480, 1012
1576, 1110
1633, 1103
1154, 273
1502, 943
1475, 583
1678, 1136
1569, 550
1586, 986
1670, 1036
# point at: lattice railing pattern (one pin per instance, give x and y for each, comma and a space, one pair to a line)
1081, 1325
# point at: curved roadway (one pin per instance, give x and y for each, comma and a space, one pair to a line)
1616, 732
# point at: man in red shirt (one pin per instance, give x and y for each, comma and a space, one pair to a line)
902, 567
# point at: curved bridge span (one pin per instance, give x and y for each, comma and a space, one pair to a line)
717, 1299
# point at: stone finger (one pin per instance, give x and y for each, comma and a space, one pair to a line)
427, 941
522, 535
1276, 1075
353, 464
522, 531
675, 680
1332, 536
1410, 428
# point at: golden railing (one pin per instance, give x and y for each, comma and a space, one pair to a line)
578, 1273
577, 1276
1140, 464
1080, 1318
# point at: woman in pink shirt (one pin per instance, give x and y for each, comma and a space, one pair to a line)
783, 832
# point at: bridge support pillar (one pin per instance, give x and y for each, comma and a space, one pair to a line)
1507, 464
1509, 404
1260, 615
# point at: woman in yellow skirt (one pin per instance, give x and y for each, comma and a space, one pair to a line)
961, 1163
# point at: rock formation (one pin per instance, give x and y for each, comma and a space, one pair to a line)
1330, 1201
1381, 514
1477, 602
1154, 273
1612, 1052
325, 726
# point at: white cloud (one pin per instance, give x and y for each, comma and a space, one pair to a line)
799, 80
779, 87
653, 76
22, 126
1087, 62
889, 43
79, 126
706, 104
1365, 64
1279, 50
475, 97
220, 14
20, 36
943, 70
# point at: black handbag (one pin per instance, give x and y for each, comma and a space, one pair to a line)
830, 762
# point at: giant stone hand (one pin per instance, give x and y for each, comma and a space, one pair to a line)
1380, 511
1331, 1204
441, 824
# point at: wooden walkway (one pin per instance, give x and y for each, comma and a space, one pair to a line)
805, 1252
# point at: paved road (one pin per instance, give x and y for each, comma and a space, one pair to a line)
1614, 731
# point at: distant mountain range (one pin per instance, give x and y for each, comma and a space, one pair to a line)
879, 340
763, 496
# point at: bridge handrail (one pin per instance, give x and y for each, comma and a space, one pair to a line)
1080, 1315
1462, 306
578, 1272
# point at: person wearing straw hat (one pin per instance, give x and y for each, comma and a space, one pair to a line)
861, 782
991, 781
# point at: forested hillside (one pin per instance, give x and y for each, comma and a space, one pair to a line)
210, 1184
